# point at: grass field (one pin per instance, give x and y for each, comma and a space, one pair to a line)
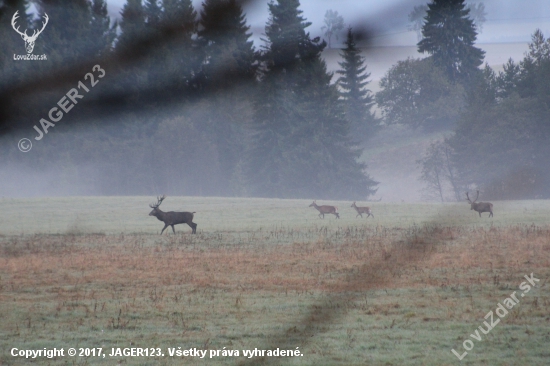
403, 288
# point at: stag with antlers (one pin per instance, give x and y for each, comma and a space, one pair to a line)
29, 40
325, 210
172, 218
480, 206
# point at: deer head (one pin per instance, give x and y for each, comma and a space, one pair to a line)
472, 203
29, 40
155, 206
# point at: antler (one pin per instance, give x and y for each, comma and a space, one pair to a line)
43, 26
468, 198
13, 19
159, 201
477, 196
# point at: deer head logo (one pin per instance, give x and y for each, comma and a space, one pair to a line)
29, 40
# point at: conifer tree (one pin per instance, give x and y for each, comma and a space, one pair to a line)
132, 79
132, 24
449, 35
356, 99
157, 77
180, 61
152, 13
102, 30
67, 39
229, 54
302, 146
228, 78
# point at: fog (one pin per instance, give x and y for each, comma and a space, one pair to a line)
197, 127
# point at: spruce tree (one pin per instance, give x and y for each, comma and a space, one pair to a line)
356, 99
66, 40
228, 51
152, 13
102, 31
132, 24
302, 146
157, 77
132, 79
228, 78
449, 35
180, 59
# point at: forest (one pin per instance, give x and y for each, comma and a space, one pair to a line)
187, 105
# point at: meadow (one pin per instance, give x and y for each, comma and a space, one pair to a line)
404, 288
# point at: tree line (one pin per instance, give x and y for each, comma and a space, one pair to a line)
206, 113
499, 122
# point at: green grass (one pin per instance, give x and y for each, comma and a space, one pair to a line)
401, 289
111, 215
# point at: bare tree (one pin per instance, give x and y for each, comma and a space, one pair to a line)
439, 172
416, 18
478, 13
334, 23
432, 171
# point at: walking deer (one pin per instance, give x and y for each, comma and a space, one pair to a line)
172, 218
326, 210
362, 210
480, 206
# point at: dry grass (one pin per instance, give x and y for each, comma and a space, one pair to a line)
322, 289
322, 264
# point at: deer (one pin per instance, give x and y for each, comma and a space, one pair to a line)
362, 210
29, 40
480, 206
172, 218
326, 210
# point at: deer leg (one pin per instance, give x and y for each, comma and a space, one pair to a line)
173, 229
491, 215
337, 215
165, 226
479, 214
193, 227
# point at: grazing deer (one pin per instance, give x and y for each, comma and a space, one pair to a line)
480, 206
326, 210
362, 210
172, 218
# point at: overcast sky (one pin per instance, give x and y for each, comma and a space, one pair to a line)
507, 20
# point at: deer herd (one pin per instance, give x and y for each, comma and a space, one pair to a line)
173, 218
